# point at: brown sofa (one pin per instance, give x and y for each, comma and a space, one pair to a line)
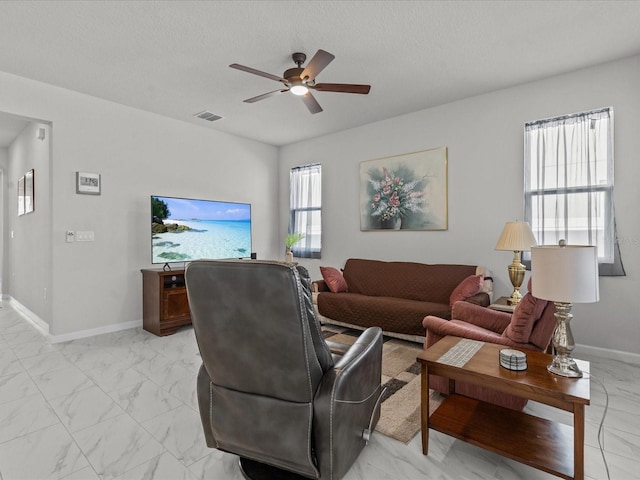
396, 296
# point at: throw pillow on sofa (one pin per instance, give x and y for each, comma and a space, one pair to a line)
334, 279
527, 313
468, 287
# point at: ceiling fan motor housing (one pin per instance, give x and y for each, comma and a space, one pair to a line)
292, 75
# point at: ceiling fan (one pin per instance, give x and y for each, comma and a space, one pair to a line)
300, 80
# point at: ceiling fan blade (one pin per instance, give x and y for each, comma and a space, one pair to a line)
265, 95
311, 103
319, 61
341, 87
257, 72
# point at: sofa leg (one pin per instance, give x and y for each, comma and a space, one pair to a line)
252, 470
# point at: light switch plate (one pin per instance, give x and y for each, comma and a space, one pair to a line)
85, 236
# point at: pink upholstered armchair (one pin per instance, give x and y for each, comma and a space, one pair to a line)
530, 327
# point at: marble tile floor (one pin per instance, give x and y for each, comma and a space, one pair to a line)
122, 406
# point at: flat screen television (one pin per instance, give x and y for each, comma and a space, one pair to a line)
186, 229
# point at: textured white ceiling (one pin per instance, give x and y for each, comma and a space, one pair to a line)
172, 57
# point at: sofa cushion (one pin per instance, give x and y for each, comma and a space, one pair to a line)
405, 280
526, 314
334, 279
391, 314
467, 288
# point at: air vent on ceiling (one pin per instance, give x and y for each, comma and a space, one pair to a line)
208, 116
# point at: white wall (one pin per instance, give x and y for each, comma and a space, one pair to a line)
4, 165
28, 265
98, 284
484, 135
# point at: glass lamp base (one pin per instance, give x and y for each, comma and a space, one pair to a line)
565, 367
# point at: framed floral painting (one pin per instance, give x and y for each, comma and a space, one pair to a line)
405, 192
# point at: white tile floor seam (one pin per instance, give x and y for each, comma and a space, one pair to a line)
123, 406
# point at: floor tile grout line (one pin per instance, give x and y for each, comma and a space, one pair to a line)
62, 424
165, 450
70, 434
124, 412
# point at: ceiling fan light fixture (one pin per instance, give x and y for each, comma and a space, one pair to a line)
301, 80
299, 89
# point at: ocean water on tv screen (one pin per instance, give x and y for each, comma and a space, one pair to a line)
207, 239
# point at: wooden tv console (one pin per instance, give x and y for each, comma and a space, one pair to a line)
165, 307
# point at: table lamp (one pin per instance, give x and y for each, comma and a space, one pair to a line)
564, 274
516, 237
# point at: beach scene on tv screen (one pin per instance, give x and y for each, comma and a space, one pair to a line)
183, 230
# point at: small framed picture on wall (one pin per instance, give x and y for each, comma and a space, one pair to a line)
88, 183
29, 191
21, 196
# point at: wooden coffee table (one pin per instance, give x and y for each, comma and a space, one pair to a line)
550, 446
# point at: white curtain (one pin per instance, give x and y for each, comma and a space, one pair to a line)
569, 180
305, 209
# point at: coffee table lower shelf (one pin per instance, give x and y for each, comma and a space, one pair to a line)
534, 441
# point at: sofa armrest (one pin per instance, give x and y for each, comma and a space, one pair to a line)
481, 316
318, 286
483, 299
438, 328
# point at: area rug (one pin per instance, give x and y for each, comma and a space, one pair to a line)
400, 410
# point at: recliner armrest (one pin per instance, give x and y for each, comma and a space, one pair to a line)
481, 316
346, 403
337, 348
363, 360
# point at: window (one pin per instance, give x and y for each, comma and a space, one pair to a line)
305, 209
569, 181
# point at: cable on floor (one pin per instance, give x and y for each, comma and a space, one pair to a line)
601, 427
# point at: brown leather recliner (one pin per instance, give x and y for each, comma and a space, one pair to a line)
270, 390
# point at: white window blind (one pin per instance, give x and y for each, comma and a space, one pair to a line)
305, 207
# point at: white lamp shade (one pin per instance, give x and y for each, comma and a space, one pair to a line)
516, 236
567, 274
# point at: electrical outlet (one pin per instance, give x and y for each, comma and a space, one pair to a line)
71, 236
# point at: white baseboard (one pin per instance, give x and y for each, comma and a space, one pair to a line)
28, 315
114, 327
43, 327
626, 357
